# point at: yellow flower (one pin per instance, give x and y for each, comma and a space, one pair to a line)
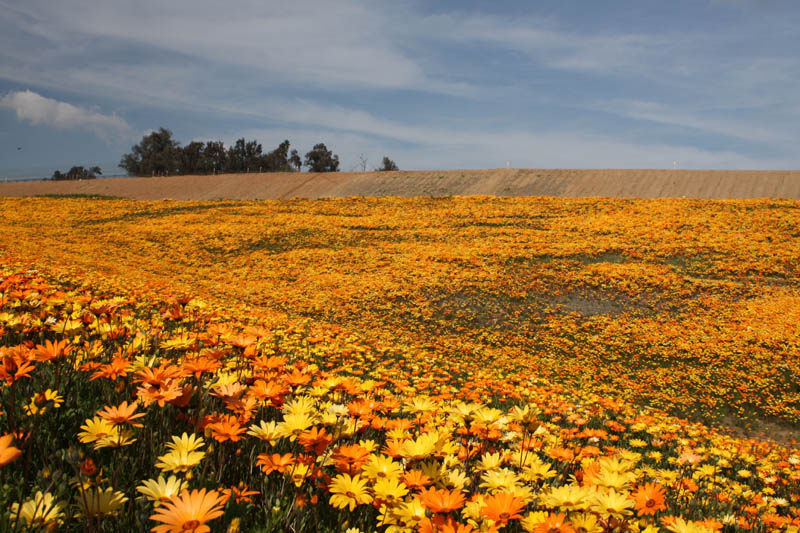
40, 402
294, 424
175, 461
523, 492
488, 415
382, 466
531, 521
300, 405
473, 510
499, 480
186, 443
490, 461
121, 437
586, 523
655, 456
461, 412
410, 512
420, 405
100, 502
299, 474
611, 503
538, 470
569, 498
616, 464
456, 479
683, 526
421, 447
389, 489
614, 479
266, 431
40, 511
161, 490
349, 492
95, 429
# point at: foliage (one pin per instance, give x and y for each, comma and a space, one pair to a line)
320, 159
158, 154
77, 173
388, 164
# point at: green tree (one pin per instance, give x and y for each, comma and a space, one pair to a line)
157, 154
215, 158
278, 160
77, 173
295, 161
192, 160
388, 164
244, 156
320, 159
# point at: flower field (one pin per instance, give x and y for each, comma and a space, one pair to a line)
449, 364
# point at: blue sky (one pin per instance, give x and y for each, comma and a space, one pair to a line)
433, 85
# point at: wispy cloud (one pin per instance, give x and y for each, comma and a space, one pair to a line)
37, 109
461, 85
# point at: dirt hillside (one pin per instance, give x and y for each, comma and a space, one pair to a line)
500, 182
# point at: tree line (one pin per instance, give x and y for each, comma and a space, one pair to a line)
77, 173
158, 154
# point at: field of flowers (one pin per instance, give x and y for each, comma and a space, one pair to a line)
452, 364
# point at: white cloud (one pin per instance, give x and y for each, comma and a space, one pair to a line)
300, 67
350, 133
37, 109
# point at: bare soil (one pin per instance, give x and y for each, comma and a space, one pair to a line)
645, 183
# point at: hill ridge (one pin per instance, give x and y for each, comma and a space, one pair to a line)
624, 183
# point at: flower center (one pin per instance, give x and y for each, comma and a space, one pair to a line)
191, 525
351, 495
650, 503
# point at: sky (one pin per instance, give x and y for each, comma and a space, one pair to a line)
432, 85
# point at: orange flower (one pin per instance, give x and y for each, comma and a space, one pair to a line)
270, 392
161, 394
415, 479
50, 350
688, 456
316, 439
649, 499
189, 512
555, 523
502, 507
275, 462
123, 413
158, 376
297, 378
117, 367
350, 459
200, 365
7, 452
240, 492
226, 429
14, 369
88, 468
441, 501
426, 525
269, 363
